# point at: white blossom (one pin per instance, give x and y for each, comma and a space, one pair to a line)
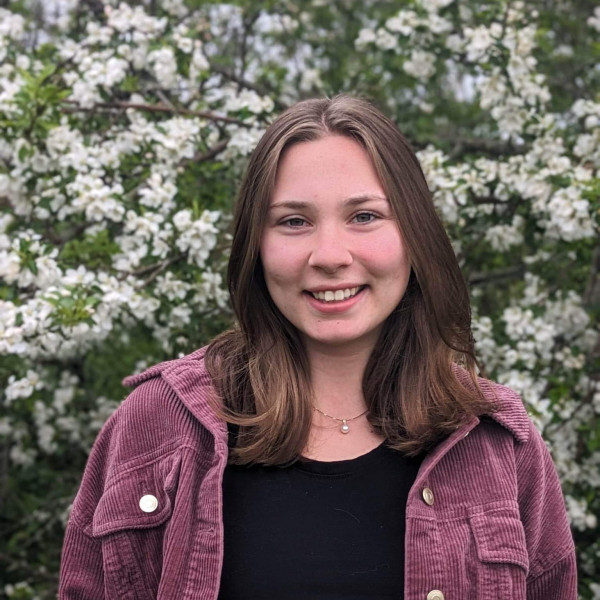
568, 216
23, 457
594, 20
403, 23
502, 237
96, 34
421, 64
171, 288
578, 513
455, 43
251, 100
435, 5
164, 66
177, 8
199, 62
242, 142
310, 79
12, 25
181, 38
276, 23
197, 237
23, 388
365, 36
10, 266
385, 40
180, 316
587, 145
126, 18
478, 40
183, 219
437, 24
158, 193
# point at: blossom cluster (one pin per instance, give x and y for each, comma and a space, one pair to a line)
113, 190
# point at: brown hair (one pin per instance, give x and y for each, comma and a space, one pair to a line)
260, 369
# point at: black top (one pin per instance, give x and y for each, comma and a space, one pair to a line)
326, 530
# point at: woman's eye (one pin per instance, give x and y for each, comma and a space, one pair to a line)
294, 222
364, 217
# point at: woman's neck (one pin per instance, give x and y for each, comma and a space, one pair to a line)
336, 379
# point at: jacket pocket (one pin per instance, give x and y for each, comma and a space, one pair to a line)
502, 552
130, 520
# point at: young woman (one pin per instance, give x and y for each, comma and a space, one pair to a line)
337, 443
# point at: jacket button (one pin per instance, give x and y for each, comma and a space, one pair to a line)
435, 595
148, 503
428, 497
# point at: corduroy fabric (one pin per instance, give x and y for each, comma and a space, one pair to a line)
497, 528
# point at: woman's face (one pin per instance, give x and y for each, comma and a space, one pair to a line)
333, 258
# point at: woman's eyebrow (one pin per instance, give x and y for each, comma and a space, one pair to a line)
352, 201
291, 204
362, 198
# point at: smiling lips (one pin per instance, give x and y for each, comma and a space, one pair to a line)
336, 295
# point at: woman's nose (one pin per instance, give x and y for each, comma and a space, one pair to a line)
330, 252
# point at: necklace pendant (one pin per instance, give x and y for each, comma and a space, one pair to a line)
345, 428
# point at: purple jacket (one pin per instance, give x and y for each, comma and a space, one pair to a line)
485, 518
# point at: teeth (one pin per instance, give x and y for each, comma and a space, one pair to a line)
337, 295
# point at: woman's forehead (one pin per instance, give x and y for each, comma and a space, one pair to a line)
332, 165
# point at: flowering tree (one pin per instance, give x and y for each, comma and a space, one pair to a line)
125, 128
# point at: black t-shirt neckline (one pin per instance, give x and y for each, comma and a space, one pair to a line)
340, 467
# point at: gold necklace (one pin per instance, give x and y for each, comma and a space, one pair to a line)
345, 428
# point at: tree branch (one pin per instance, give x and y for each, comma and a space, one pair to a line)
592, 290
491, 147
507, 273
241, 81
154, 269
72, 233
157, 108
161, 268
211, 152
489, 200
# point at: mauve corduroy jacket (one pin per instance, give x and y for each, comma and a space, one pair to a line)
490, 525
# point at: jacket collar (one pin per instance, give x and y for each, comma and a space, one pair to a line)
189, 379
510, 413
509, 409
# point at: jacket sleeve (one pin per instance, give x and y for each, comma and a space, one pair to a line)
559, 581
81, 571
552, 566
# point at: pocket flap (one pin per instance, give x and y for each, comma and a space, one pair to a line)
500, 537
120, 508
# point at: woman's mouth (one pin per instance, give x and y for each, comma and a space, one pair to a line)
336, 295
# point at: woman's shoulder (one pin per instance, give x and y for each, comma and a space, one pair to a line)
506, 407
170, 405
509, 413
160, 385
190, 364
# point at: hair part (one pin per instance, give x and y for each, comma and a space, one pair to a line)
260, 368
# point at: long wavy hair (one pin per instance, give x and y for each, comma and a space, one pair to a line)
260, 368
